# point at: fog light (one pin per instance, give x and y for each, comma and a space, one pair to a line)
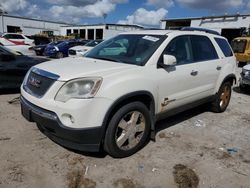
67, 119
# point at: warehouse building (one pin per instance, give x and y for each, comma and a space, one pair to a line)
29, 26
100, 31
230, 26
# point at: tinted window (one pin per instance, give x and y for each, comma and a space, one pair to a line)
224, 46
180, 48
16, 36
203, 49
134, 48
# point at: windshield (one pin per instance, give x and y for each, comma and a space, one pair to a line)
130, 49
93, 43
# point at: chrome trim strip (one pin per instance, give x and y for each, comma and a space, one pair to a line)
45, 73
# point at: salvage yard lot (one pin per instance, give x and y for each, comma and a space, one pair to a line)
194, 147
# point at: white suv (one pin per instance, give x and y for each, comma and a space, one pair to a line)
18, 38
113, 100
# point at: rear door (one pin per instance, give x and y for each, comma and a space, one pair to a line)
208, 65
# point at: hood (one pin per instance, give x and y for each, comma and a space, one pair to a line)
71, 68
81, 48
247, 67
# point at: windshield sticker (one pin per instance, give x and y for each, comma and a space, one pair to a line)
150, 38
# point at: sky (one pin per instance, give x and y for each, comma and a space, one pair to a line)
140, 12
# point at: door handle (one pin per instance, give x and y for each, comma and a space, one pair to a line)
218, 67
194, 73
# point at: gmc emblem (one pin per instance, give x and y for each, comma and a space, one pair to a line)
34, 82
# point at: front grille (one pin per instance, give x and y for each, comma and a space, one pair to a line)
239, 46
72, 52
38, 82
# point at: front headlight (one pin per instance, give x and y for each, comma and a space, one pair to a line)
81, 88
245, 72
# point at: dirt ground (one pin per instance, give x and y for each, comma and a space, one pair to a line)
196, 148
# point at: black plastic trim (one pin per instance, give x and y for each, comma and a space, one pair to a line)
84, 139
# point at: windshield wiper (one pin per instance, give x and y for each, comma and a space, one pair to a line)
109, 59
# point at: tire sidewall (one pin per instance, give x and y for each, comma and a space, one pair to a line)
225, 84
110, 143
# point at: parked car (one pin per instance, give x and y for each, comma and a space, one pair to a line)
245, 78
80, 50
113, 100
61, 50
241, 48
18, 38
14, 66
23, 49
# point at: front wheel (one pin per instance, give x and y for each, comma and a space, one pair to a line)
128, 130
59, 55
222, 98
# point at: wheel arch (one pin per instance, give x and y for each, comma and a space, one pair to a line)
229, 78
145, 97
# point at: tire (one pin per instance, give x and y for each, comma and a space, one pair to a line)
222, 98
122, 139
59, 55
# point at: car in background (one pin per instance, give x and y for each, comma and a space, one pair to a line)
14, 66
241, 48
40, 49
18, 38
61, 50
81, 50
245, 78
22, 49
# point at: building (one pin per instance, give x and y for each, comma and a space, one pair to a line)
29, 26
99, 31
230, 26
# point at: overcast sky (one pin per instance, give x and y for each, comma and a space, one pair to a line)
142, 12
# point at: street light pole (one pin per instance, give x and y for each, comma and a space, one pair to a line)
2, 12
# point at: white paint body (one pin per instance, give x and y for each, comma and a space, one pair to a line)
24, 39
121, 79
80, 50
24, 49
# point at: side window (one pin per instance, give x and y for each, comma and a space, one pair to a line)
203, 49
18, 37
224, 46
180, 48
7, 36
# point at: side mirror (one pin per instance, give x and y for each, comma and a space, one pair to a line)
169, 60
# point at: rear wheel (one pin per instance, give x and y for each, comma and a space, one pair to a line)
128, 130
222, 98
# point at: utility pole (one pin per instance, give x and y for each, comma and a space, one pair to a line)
2, 12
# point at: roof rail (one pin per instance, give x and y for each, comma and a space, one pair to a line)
200, 29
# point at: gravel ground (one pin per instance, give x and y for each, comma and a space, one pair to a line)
196, 148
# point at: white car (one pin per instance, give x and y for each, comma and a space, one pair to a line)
23, 49
114, 100
18, 38
79, 51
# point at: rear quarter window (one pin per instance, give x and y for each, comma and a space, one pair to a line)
224, 46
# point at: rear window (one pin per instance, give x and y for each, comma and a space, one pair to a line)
224, 46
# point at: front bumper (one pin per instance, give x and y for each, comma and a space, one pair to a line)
85, 139
245, 79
